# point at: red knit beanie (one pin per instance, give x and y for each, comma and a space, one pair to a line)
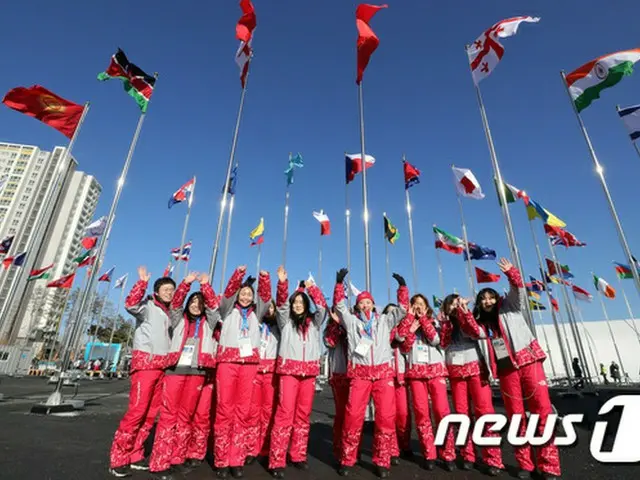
364, 295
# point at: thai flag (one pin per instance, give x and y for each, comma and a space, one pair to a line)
183, 193
182, 253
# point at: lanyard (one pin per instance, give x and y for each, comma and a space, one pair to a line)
195, 335
368, 325
244, 327
265, 330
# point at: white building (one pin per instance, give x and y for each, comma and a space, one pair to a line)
30, 177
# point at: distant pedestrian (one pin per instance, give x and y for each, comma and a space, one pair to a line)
603, 373
615, 372
577, 373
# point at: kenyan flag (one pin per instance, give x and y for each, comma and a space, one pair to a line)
136, 82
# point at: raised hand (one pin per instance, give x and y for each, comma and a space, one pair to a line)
334, 316
400, 279
341, 275
505, 265
203, 278
242, 268
263, 273
463, 303
143, 274
191, 277
309, 283
282, 274
415, 326
250, 281
302, 284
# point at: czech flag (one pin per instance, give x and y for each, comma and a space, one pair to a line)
353, 164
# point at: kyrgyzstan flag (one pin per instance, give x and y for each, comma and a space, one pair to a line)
367, 40
353, 164
482, 276
89, 242
62, 282
46, 106
325, 225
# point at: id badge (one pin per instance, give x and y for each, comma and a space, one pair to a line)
263, 346
245, 347
500, 348
364, 346
457, 358
186, 357
422, 354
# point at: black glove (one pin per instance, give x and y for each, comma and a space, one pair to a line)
249, 281
399, 279
302, 285
341, 275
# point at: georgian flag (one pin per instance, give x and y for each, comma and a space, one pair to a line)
325, 225
467, 184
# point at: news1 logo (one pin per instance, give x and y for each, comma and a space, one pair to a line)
625, 445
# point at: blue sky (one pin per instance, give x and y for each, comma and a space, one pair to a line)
302, 97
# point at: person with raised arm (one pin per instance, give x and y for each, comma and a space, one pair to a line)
516, 360
371, 370
426, 374
191, 358
151, 343
237, 364
297, 367
467, 362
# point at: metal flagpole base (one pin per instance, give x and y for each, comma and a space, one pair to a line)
57, 405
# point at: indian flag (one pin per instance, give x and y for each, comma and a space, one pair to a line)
448, 242
603, 287
40, 274
586, 83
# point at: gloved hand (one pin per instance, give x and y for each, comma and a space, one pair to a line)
399, 279
249, 281
341, 275
301, 285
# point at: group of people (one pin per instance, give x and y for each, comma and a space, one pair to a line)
238, 371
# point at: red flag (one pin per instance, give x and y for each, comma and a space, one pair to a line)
62, 282
247, 22
89, 242
87, 261
411, 175
483, 276
46, 106
367, 40
6, 263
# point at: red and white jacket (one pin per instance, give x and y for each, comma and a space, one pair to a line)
269, 344
335, 339
182, 327
400, 359
231, 315
299, 352
425, 356
151, 339
521, 344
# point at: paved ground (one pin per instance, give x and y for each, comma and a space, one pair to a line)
57, 448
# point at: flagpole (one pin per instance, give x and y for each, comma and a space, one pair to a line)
94, 338
388, 269
605, 188
226, 242
184, 229
320, 262
635, 145
577, 339
546, 341
440, 276
588, 337
626, 301
365, 206
43, 222
223, 204
115, 319
348, 233
472, 284
613, 338
565, 361
56, 397
411, 244
286, 222
257, 262
511, 239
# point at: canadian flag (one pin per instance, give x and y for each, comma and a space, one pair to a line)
467, 184
325, 225
487, 51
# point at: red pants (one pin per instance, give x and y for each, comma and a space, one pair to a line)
295, 402
403, 420
384, 400
233, 406
201, 423
262, 414
134, 428
421, 391
461, 389
529, 384
180, 396
340, 388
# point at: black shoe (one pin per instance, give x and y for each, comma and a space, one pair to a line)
237, 472
222, 472
192, 463
164, 475
467, 465
120, 472
493, 471
523, 474
359, 459
142, 465
395, 461
383, 472
406, 454
304, 466
277, 473
343, 471
449, 466
548, 476
429, 465
249, 460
